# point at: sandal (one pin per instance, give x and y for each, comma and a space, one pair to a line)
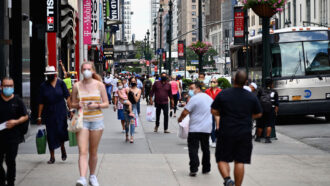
51, 161
132, 140
127, 138
64, 156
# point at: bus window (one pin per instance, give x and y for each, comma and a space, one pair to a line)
288, 60
317, 57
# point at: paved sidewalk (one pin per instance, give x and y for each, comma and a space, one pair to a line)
162, 159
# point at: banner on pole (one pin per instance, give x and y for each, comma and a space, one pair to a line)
114, 13
181, 54
95, 17
87, 22
239, 25
51, 16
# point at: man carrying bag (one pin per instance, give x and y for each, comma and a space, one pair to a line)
13, 126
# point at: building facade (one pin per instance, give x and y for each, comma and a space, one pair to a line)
125, 30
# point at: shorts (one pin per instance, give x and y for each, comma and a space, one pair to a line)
120, 114
93, 125
267, 120
234, 148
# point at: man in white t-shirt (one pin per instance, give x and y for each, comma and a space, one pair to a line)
200, 127
107, 81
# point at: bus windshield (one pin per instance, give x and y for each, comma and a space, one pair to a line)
300, 58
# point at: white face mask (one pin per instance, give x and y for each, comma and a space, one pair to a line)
87, 74
120, 87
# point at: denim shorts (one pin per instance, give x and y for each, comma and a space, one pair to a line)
94, 125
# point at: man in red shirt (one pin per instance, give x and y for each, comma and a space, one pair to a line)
162, 91
213, 92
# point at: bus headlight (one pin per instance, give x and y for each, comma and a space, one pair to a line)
327, 95
283, 98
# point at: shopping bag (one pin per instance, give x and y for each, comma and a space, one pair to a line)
41, 141
72, 139
184, 128
151, 113
75, 124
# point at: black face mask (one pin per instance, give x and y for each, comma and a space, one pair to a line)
50, 77
163, 78
133, 84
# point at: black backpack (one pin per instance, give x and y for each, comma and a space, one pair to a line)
131, 97
266, 100
148, 84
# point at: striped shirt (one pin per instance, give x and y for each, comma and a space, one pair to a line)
93, 96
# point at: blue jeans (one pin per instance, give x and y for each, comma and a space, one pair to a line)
138, 107
129, 121
109, 90
213, 136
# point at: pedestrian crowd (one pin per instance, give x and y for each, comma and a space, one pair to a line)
222, 119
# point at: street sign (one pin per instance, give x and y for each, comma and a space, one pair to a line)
239, 25
160, 51
194, 62
114, 13
108, 51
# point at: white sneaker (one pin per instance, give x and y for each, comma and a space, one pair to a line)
93, 180
213, 145
81, 182
123, 131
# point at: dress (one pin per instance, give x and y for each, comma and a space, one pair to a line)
55, 112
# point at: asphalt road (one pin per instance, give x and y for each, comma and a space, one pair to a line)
308, 129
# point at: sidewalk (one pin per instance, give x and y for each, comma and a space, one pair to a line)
162, 159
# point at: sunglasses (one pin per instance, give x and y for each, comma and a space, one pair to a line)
213, 82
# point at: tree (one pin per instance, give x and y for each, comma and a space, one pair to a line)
140, 47
192, 56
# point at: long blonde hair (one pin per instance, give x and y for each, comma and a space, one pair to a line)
95, 75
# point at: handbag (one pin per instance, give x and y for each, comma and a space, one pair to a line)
184, 128
151, 113
72, 139
41, 140
75, 124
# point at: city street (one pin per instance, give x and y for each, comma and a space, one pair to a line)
300, 156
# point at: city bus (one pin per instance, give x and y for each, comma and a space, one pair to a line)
300, 68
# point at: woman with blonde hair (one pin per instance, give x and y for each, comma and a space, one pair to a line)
89, 94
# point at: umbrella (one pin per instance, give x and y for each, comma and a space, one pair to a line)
124, 72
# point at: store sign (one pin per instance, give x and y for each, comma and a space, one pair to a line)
95, 17
87, 22
181, 50
238, 25
108, 51
114, 13
51, 15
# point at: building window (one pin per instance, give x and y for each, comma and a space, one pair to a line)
194, 33
314, 9
193, 13
194, 1
194, 20
308, 11
194, 39
294, 13
253, 21
193, 7
260, 19
289, 11
193, 26
300, 13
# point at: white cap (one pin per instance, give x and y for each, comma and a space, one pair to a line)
254, 85
50, 70
247, 88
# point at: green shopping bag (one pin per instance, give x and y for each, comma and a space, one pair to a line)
72, 139
41, 141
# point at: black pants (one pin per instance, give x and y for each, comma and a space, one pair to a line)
176, 99
163, 107
146, 94
9, 153
194, 138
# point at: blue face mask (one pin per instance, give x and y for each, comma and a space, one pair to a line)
8, 91
191, 93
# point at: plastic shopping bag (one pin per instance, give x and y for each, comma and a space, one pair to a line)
75, 124
151, 113
41, 140
184, 128
72, 139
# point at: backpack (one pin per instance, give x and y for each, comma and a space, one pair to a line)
266, 100
23, 127
148, 84
131, 97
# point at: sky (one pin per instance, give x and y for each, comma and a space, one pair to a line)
140, 18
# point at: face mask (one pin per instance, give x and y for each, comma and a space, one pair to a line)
213, 85
51, 77
191, 93
87, 74
163, 78
120, 87
133, 84
8, 91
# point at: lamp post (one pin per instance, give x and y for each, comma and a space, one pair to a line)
155, 36
160, 11
148, 52
200, 34
170, 4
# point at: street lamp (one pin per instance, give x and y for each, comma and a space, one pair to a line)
155, 35
160, 11
148, 52
170, 4
200, 34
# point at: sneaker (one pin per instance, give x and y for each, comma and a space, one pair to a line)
268, 140
156, 129
257, 139
93, 181
171, 113
213, 145
192, 174
81, 182
229, 183
123, 131
166, 131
